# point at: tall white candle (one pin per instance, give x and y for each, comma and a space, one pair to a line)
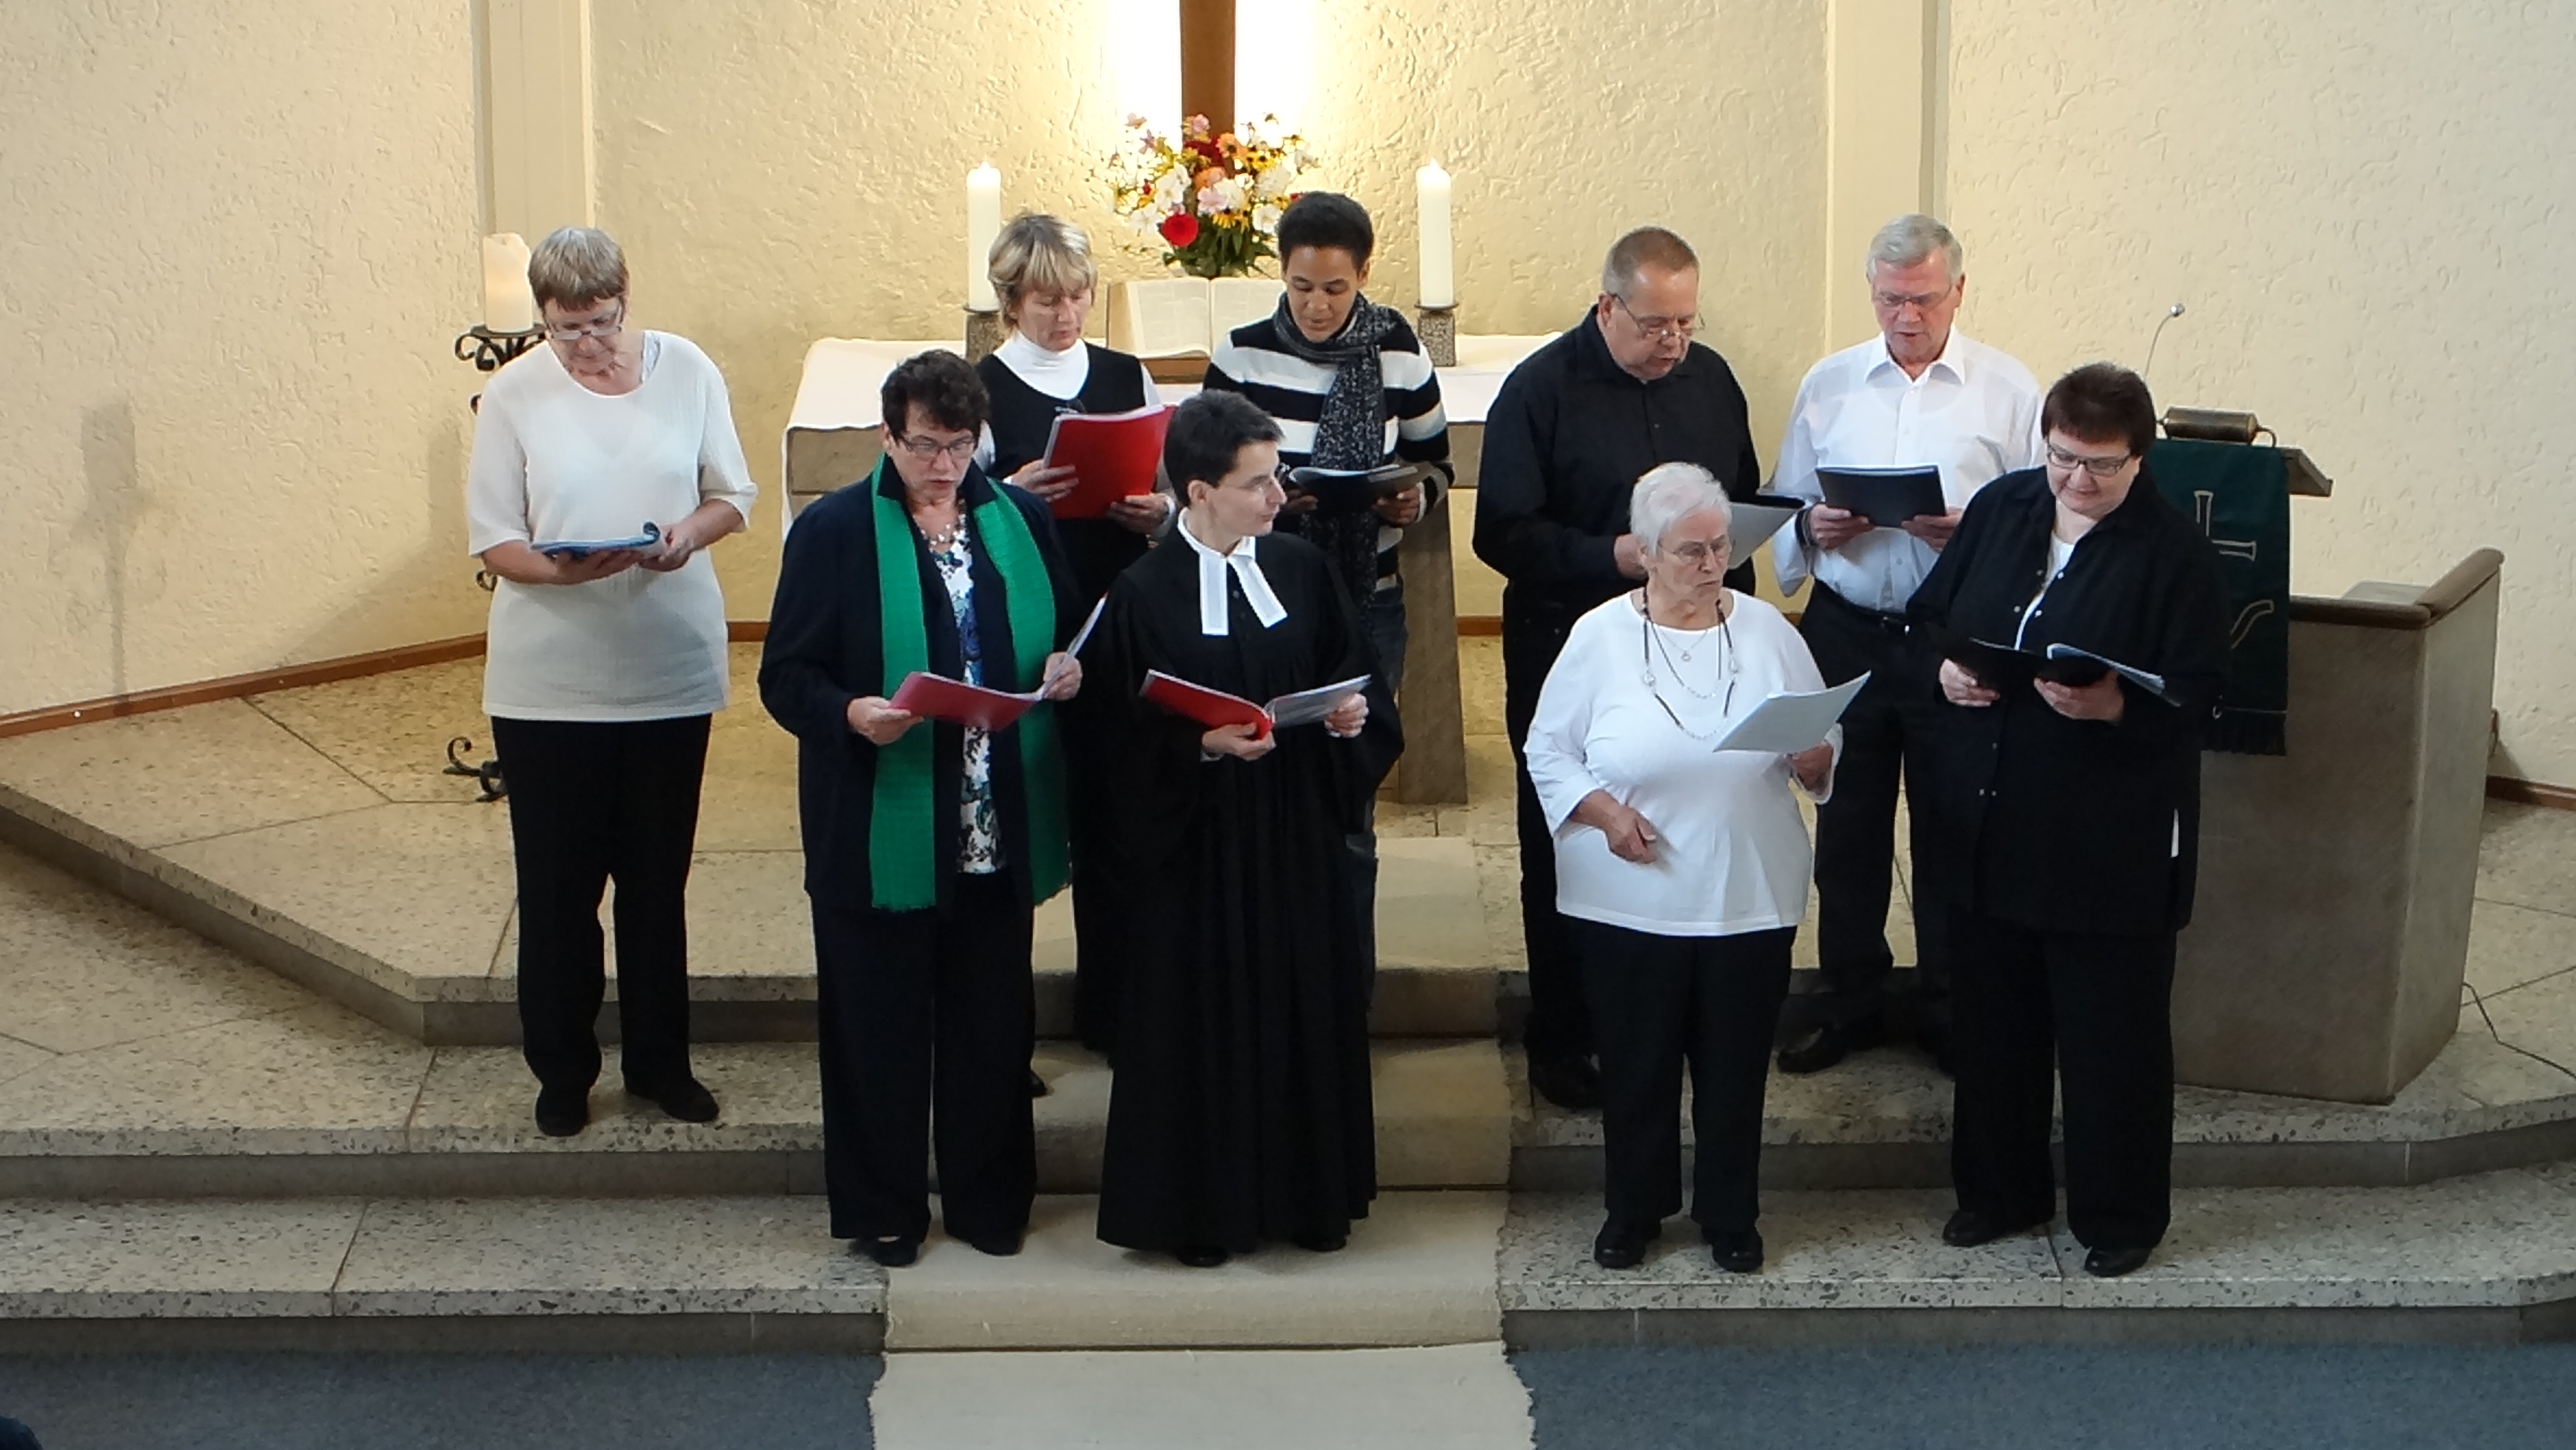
508, 305
983, 224
1439, 264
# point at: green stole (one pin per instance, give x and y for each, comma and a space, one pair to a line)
902, 872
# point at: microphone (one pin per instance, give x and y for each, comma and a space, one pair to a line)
2152, 338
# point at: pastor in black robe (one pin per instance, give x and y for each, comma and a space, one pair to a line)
1240, 1110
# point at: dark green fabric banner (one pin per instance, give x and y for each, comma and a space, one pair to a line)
2239, 494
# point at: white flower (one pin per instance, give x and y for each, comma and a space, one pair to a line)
1225, 194
1278, 181
1265, 219
1171, 189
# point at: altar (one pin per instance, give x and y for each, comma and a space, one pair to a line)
832, 439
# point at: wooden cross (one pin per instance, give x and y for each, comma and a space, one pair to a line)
1207, 62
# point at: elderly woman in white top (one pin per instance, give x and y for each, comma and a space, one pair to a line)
603, 666
1684, 868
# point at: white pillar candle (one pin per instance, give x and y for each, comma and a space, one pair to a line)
1439, 264
983, 224
508, 305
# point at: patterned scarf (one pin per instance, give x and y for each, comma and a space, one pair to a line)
1352, 432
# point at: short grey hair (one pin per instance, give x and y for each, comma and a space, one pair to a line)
1644, 247
1039, 253
1910, 239
576, 267
1669, 493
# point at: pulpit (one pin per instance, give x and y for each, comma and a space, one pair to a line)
2325, 954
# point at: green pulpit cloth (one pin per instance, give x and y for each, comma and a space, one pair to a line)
2239, 494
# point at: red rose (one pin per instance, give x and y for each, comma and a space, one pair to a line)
1180, 229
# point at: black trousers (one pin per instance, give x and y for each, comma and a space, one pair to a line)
593, 802
1659, 1002
1560, 1022
1888, 736
928, 1016
2104, 1006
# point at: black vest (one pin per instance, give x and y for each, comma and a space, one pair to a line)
1096, 549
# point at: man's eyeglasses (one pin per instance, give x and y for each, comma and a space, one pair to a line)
1661, 329
2098, 467
595, 331
1919, 301
924, 449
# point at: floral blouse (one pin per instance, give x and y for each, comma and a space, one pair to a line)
979, 837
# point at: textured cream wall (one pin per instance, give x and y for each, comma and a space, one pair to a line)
781, 171
2365, 209
239, 239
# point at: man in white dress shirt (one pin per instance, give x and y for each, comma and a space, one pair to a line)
1921, 392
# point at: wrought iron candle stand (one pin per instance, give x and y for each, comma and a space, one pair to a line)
490, 352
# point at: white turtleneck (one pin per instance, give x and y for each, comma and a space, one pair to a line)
1247, 569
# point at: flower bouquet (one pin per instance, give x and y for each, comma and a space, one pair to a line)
1213, 199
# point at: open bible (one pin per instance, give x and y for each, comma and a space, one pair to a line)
1176, 316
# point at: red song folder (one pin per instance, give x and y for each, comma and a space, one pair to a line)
937, 697
1213, 708
1113, 456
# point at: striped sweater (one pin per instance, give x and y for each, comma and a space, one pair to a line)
1290, 389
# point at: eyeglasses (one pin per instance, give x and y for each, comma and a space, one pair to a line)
1698, 555
595, 331
923, 449
1661, 329
1919, 301
2098, 467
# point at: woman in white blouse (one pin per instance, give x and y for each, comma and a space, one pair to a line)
603, 667
1684, 868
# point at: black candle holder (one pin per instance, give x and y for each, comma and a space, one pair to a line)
491, 351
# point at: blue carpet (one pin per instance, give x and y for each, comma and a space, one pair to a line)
441, 1402
2257, 1398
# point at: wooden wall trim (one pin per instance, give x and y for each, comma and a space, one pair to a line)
260, 682
2531, 793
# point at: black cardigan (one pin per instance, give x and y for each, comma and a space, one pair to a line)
826, 648
2070, 824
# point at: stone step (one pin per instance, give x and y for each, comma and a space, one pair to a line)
281, 1107
402, 912
2489, 1258
1881, 1119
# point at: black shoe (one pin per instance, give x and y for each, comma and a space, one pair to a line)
687, 1100
1000, 1246
1322, 1243
1968, 1229
1827, 1043
1736, 1253
1623, 1246
1572, 1083
2109, 1263
1037, 1085
562, 1112
893, 1252
1200, 1256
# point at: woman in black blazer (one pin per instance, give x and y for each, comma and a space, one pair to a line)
2078, 808
927, 844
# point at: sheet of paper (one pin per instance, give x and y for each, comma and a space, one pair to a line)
1786, 724
1308, 706
1751, 522
2153, 684
1234, 301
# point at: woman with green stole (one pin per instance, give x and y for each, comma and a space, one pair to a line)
927, 844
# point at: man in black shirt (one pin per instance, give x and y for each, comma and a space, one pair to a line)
1574, 426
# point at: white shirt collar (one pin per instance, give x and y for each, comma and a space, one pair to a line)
1056, 374
1246, 564
1953, 359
